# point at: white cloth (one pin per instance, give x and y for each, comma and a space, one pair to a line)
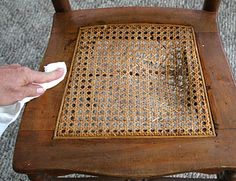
9, 114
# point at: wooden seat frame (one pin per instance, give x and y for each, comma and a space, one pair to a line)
42, 158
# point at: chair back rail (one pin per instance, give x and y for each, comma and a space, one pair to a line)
211, 5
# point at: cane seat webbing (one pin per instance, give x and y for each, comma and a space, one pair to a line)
135, 80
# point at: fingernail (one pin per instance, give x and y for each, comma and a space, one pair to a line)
40, 90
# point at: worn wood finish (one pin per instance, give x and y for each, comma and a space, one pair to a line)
211, 5
61, 5
36, 152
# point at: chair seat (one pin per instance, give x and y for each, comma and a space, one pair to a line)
135, 80
36, 150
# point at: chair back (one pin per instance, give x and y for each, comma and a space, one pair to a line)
64, 5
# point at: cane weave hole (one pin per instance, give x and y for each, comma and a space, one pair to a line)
135, 80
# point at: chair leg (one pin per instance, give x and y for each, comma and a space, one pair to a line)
227, 176
39, 177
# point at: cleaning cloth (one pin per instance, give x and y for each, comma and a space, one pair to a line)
9, 114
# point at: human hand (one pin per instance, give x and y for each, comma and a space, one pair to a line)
18, 82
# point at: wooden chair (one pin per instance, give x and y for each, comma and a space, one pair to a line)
41, 157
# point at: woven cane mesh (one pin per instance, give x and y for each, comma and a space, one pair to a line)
135, 80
